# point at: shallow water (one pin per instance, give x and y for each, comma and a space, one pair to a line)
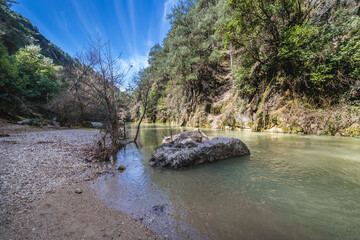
290, 187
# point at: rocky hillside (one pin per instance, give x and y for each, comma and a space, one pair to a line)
284, 66
16, 32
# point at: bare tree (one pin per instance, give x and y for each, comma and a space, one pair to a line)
100, 76
142, 87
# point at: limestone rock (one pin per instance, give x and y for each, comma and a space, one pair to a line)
228, 128
187, 150
276, 130
195, 135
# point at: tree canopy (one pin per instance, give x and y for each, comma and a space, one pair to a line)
303, 49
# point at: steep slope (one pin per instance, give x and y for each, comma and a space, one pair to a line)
283, 66
17, 32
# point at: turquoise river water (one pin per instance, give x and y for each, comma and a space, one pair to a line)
290, 187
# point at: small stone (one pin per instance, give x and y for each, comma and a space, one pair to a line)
121, 168
78, 191
158, 208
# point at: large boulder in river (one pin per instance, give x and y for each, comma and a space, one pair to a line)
189, 151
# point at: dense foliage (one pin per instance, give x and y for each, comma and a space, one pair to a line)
187, 69
27, 78
308, 47
28, 75
306, 50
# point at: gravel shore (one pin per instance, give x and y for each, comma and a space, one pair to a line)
39, 173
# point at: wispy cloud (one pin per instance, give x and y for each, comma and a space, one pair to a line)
62, 23
133, 64
132, 21
167, 9
36, 21
126, 22
165, 25
81, 16
149, 44
121, 19
61, 20
86, 13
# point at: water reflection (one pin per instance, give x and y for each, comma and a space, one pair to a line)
290, 187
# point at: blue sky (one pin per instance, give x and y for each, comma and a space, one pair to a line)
131, 26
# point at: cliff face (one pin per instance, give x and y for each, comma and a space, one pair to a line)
272, 113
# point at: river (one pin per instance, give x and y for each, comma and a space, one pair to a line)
290, 187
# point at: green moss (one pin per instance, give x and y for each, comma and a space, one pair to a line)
352, 131
259, 124
329, 130
286, 129
274, 121
250, 124
296, 129
86, 124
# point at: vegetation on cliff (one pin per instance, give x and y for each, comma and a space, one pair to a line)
292, 66
29, 65
26, 78
17, 32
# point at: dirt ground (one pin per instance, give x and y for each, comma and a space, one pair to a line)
40, 172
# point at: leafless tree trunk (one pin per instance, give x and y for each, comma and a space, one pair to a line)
99, 75
143, 84
138, 126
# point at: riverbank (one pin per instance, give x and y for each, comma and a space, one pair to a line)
283, 117
40, 171
290, 187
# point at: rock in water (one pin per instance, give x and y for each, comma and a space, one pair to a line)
195, 135
158, 208
188, 149
121, 168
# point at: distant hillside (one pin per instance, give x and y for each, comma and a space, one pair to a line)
17, 32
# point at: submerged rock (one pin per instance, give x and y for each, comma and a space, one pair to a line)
158, 208
121, 168
189, 149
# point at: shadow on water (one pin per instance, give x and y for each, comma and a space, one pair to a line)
290, 187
